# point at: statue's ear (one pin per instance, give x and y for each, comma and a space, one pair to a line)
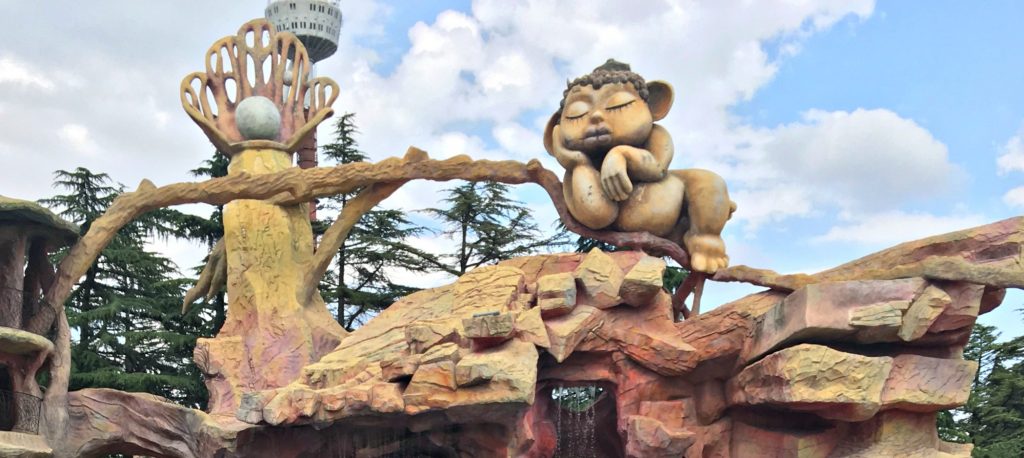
659, 98
548, 130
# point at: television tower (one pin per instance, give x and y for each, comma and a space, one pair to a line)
317, 24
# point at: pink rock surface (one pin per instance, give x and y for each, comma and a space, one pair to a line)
853, 362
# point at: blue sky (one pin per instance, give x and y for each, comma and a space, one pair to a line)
950, 67
842, 126
945, 68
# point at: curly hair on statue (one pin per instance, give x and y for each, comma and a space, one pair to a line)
610, 72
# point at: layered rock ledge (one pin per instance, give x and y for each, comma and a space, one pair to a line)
855, 361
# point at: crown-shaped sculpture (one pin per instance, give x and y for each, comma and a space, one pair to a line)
253, 93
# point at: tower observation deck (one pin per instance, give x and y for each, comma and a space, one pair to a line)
317, 23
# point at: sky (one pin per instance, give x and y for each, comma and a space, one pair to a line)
842, 127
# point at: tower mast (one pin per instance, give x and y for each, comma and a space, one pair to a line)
317, 24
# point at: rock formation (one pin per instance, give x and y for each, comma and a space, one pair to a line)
857, 365
852, 361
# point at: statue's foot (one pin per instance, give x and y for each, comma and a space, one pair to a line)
707, 252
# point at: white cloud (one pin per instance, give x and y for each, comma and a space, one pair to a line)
896, 226
450, 144
864, 159
770, 205
23, 74
1011, 159
1014, 197
501, 61
874, 156
482, 71
522, 142
1011, 155
509, 70
78, 138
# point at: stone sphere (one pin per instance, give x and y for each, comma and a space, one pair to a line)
258, 119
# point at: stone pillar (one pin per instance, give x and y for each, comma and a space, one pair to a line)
268, 335
307, 159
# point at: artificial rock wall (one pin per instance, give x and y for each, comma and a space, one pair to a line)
853, 365
854, 361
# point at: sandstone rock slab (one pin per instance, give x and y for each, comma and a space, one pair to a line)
488, 329
424, 334
600, 278
530, 328
897, 433
964, 309
560, 286
647, 437
643, 281
985, 255
566, 331
922, 384
750, 440
814, 378
822, 311
399, 368
923, 311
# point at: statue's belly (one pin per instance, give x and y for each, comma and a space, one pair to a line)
652, 207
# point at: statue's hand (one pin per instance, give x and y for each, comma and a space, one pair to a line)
568, 158
614, 178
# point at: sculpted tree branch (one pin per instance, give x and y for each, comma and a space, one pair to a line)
349, 216
256, 102
294, 186
211, 279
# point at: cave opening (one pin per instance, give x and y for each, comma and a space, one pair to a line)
585, 421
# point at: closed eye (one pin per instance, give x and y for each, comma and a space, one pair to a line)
577, 110
620, 106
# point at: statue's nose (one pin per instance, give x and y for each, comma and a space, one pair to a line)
597, 116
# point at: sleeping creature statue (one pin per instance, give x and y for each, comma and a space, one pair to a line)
616, 163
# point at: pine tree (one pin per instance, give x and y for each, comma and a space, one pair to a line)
958, 425
129, 335
207, 231
487, 226
993, 417
361, 283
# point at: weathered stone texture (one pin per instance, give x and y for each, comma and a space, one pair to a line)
922, 384
814, 378
567, 331
923, 311
823, 311
650, 438
600, 278
643, 281
844, 367
487, 330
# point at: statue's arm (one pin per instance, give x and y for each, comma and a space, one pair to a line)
625, 164
651, 163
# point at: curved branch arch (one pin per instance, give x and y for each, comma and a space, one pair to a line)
293, 186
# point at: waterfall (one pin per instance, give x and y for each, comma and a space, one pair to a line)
591, 423
558, 423
575, 435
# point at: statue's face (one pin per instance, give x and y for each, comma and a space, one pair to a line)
593, 121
